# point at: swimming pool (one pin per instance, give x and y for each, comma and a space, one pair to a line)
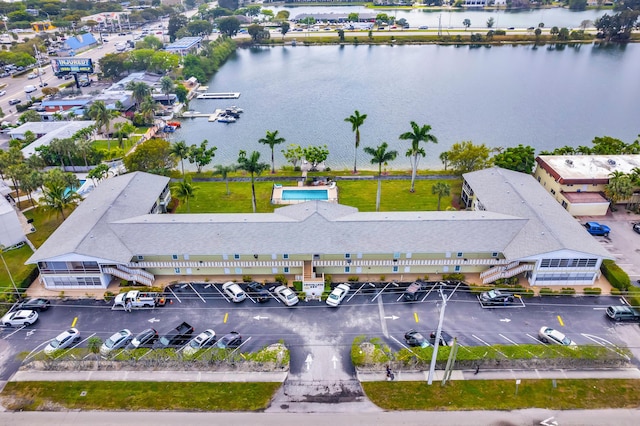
67, 190
304, 194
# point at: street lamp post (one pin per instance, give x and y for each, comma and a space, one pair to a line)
8, 271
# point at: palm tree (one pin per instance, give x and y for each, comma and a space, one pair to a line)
56, 197
147, 109
444, 157
98, 111
620, 187
356, 121
380, 156
224, 171
255, 168
441, 189
64, 147
180, 151
184, 191
272, 140
166, 86
140, 91
419, 134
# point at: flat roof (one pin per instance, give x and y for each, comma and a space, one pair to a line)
585, 198
586, 168
184, 43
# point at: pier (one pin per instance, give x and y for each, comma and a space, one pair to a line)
210, 95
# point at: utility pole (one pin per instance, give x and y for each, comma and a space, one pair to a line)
38, 65
9, 272
436, 344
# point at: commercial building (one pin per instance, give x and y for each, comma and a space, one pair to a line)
512, 228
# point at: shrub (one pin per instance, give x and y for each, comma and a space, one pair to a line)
247, 278
297, 285
280, 278
546, 291
328, 279
353, 279
616, 276
567, 290
108, 296
457, 276
382, 278
500, 32
592, 291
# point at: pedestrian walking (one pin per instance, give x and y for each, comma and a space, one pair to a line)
127, 307
390, 375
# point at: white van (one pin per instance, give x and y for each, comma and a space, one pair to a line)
30, 89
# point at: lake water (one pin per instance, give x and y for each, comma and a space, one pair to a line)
501, 96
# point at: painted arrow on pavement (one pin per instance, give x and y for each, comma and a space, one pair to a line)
335, 361
152, 320
505, 320
308, 361
258, 318
392, 317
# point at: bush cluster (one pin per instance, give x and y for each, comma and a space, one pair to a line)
616, 276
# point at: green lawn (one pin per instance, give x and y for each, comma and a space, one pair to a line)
501, 394
211, 197
134, 396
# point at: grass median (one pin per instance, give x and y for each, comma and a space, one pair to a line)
133, 396
503, 395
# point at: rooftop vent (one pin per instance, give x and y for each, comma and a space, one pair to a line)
569, 162
611, 162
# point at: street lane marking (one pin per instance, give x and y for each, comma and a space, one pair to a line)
226, 317
75, 320
415, 316
560, 321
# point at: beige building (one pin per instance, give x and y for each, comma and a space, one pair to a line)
577, 182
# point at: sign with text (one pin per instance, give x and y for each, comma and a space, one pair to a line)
71, 65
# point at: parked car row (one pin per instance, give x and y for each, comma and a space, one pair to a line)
25, 313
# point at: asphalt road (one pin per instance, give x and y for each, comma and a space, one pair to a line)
320, 337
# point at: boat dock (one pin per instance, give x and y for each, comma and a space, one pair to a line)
210, 95
211, 116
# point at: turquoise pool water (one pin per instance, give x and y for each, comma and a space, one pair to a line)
68, 189
305, 194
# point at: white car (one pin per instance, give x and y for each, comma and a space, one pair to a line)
338, 294
234, 291
202, 340
30, 89
22, 317
286, 295
549, 335
3, 92
62, 341
116, 341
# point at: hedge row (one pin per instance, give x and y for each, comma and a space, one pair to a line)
616, 276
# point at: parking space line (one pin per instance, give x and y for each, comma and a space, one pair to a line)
358, 290
415, 316
599, 340
35, 350
174, 295
454, 290
560, 321
226, 317
406, 347
486, 344
76, 345
507, 339
399, 297
428, 293
198, 294
241, 345
75, 320
383, 289
222, 294
534, 338
11, 334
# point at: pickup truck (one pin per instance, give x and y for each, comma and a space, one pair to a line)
174, 337
138, 299
595, 228
413, 291
623, 313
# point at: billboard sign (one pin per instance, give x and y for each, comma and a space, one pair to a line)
71, 65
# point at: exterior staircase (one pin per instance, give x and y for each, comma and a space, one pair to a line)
129, 274
512, 269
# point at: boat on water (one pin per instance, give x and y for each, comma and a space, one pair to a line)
169, 129
175, 124
235, 109
226, 119
211, 95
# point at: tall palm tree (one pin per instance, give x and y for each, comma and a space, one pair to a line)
56, 197
417, 135
179, 150
441, 189
380, 156
147, 109
64, 147
255, 168
444, 157
139, 91
272, 140
356, 121
224, 171
184, 191
620, 187
98, 111
166, 86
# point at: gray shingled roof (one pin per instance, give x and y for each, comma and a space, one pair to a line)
86, 231
549, 228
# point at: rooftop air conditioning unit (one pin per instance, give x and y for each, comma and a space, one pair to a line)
569, 162
612, 162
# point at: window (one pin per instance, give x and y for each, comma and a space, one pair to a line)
395, 268
568, 263
396, 255
285, 256
494, 254
553, 191
459, 254
538, 178
286, 269
174, 256
236, 256
564, 204
347, 255
238, 271
176, 270
140, 257
457, 268
347, 269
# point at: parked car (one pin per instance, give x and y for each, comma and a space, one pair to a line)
176, 336
229, 341
3, 92
286, 295
445, 338
5, 74
412, 292
636, 227
257, 292
549, 335
116, 341
201, 341
623, 313
62, 341
338, 294
595, 228
22, 317
14, 101
495, 297
144, 339
35, 304
413, 338
233, 291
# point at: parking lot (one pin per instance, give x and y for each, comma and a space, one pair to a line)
320, 337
